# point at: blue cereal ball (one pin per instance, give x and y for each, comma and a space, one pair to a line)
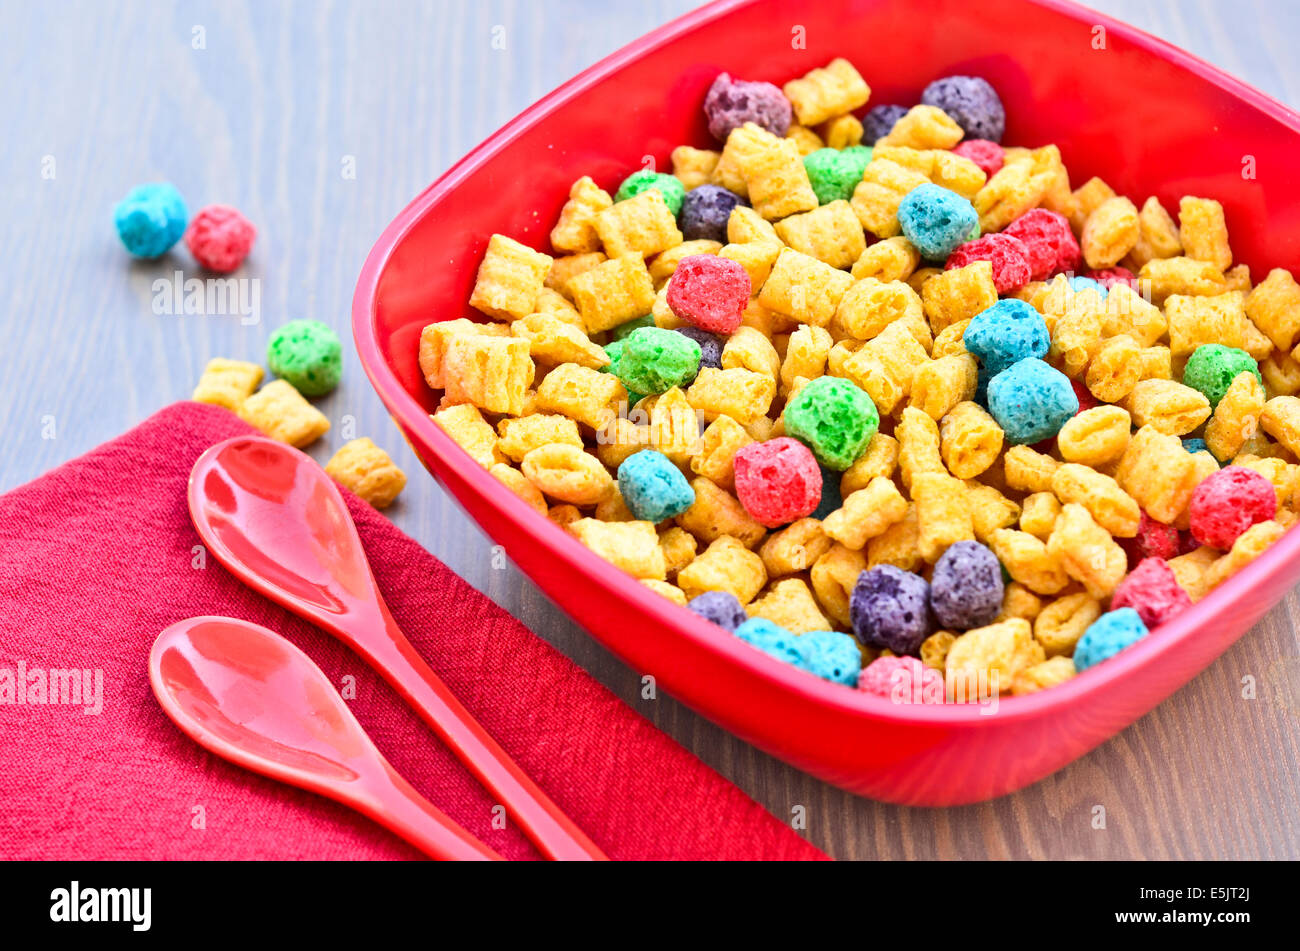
879, 121
705, 212
831, 655
710, 345
972, 103
831, 498
1031, 401
772, 640
1107, 636
1195, 445
890, 608
1081, 283
653, 488
721, 607
1009, 331
936, 220
150, 219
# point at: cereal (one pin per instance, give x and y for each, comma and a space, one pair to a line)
1005, 333
772, 173
279, 411
958, 295
830, 233
877, 197
1028, 561
866, 513
220, 238
227, 383
771, 639
934, 649
790, 604
834, 418
308, 354
654, 360
1111, 507
1157, 234
1110, 232
943, 513
827, 92
797, 547
804, 288
1152, 590
643, 224
1167, 407
923, 127
902, 680
834, 173
716, 513
830, 655
726, 565
1087, 551
1203, 232
1281, 420
493, 373
672, 190
1274, 307
720, 607
1212, 367
741, 394
1007, 255
939, 166
842, 132
573, 232
1107, 636
567, 474
1249, 546
1095, 437
969, 440
1050, 246
966, 587
730, 103
893, 259
879, 121
467, 427
990, 510
581, 393
693, 167
986, 661
870, 306
1229, 502
632, 547
662, 267
717, 450
987, 155
1031, 401
972, 103
518, 483
890, 609
1050, 673
1236, 418
509, 280
1060, 624
367, 470
652, 487
613, 292
1017, 188
939, 385
936, 220
150, 219
777, 481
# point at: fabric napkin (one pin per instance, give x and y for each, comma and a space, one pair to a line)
99, 555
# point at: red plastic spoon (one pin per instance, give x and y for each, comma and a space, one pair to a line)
273, 517
251, 697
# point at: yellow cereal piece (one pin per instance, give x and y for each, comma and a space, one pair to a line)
830, 233
1076, 332
555, 341
670, 591
990, 510
1274, 307
1203, 231
1157, 363
467, 427
794, 548
940, 385
518, 483
746, 226
664, 264
1280, 418
717, 450
918, 445
1086, 551
959, 294
1190, 570
950, 342
1039, 513
893, 259
1158, 473
826, 92
674, 427
726, 565
1095, 437
804, 288
984, 662
789, 603
1019, 601
632, 547
621, 437
509, 279
1017, 187
563, 515
1109, 505
1236, 418
568, 474
1157, 235
1050, 673
739, 393
227, 383
581, 393
365, 469
1115, 370
493, 373
866, 513
640, 225
679, 548
899, 545
876, 198
805, 355
842, 132
1028, 561
879, 459
750, 349
741, 147
1086, 199
614, 291
1110, 232
1248, 546
282, 413
969, 440
520, 436
1128, 313
694, 167
934, 649
574, 232
715, 513
1194, 321
870, 305
564, 269
1167, 406
805, 139
1281, 374
756, 257
943, 514
833, 577
1163, 277
776, 182
921, 275
613, 508
1028, 470
433, 344
1238, 278
942, 168
923, 127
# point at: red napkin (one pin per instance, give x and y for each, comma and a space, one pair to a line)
97, 557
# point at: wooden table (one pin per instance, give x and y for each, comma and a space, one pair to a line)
320, 121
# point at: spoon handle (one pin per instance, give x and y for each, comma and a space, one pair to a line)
554, 833
408, 814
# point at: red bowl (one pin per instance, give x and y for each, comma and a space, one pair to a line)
1148, 117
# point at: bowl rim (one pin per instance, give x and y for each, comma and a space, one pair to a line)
707, 636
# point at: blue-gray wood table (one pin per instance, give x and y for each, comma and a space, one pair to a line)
320, 121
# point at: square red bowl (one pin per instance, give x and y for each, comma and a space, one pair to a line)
1148, 117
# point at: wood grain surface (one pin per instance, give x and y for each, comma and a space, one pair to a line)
269, 105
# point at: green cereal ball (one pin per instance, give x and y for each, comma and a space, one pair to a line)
636, 323
308, 355
614, 351
652, 360
1212, 367
671, 188
834, 173
834, 418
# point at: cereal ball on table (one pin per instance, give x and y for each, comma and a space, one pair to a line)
150, 219
890, 608
1107, 636
1031, 401
652, 487
966, 587
830, 655
777, 481
706, 211
972, 103
220, 238
1153, 591
720, 607
367, 470
834, 418
709, 292
1228, 502
730, 103
937, 220
652, 360
667, 185
308, 354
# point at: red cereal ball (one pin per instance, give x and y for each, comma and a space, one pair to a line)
1110, 276
1007, 254
220, 238
1228, 502
1086, 399
709, 292
1152, 590
987, 155
902, 680
1049, 242
777, 481
1153, 540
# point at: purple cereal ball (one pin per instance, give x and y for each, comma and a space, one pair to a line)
710, 346
731, 103
705, 213
966, 587
890, 608
721, 607
879, 122
972, 103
